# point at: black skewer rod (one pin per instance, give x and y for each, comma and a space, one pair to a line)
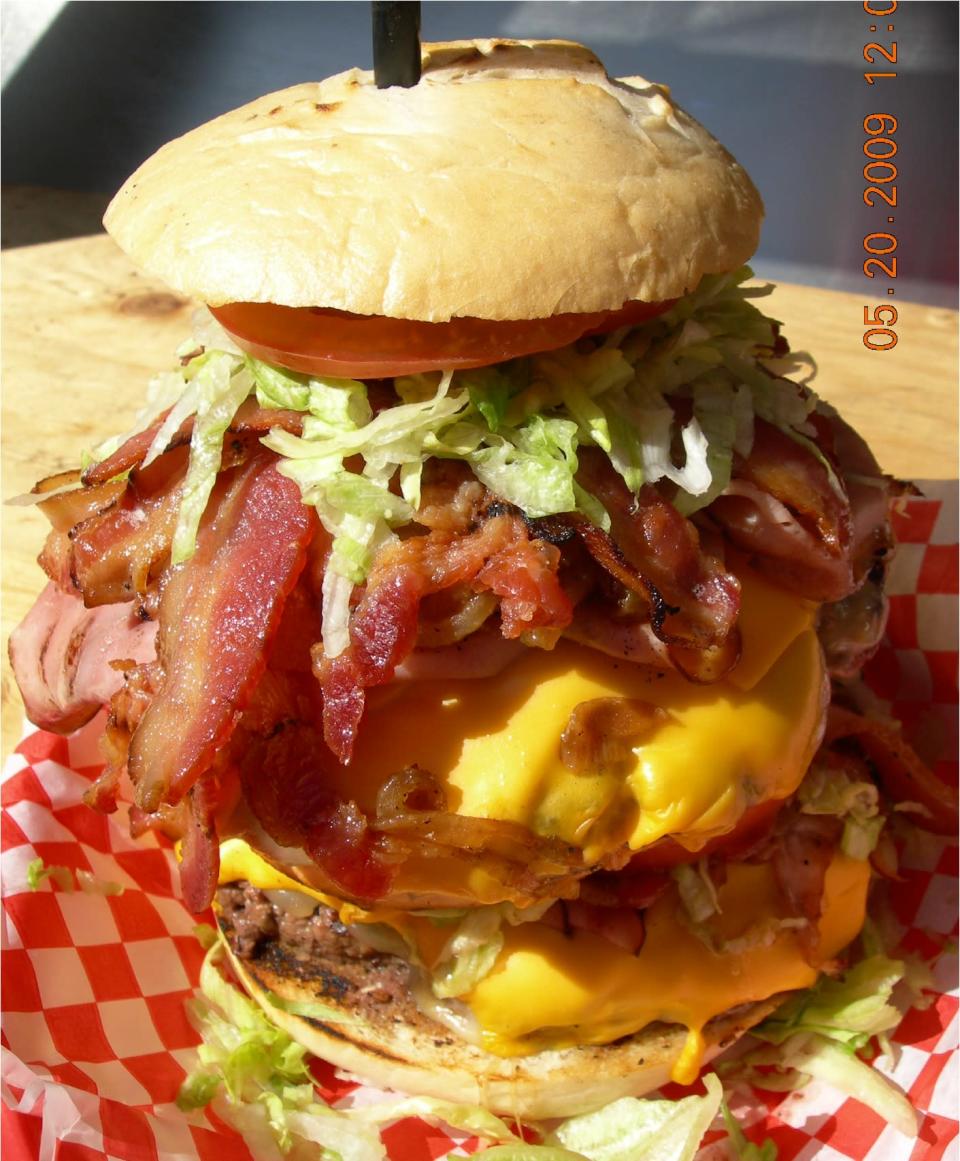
396, 43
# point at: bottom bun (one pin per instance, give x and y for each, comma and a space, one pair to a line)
386, 1041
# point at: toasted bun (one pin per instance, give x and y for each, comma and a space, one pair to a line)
392, 1046
516, 180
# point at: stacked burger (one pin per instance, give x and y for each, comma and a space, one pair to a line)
467, 601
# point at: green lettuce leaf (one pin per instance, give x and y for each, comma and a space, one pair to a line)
823, 1058
829, 791
532, 466
469, 953
630, 1129
743, 1149
38, 871
850, 1009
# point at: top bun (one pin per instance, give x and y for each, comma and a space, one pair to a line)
516, 180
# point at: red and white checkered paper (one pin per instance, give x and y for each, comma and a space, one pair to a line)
95, 1036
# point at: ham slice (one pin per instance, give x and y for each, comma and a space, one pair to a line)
61, 655
784, 510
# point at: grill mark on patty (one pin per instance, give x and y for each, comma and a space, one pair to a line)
318, 950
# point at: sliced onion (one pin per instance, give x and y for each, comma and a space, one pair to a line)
602, 733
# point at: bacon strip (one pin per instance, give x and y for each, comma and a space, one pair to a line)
200, 852
899, 769
127, 707
70, 508
217, 614
117, 553
250, 419
693, 602
499, 557
61, 655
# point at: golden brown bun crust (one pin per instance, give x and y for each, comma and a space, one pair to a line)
392, 1046
516, 180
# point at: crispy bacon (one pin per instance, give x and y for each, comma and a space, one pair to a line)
70, 508
498, 557
132, 452
118, 553
127, 707
902, 774
218, 612
450, 496
655, 553
250, 419
62, 657
200, 850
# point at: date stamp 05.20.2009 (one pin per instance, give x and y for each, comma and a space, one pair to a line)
880, 176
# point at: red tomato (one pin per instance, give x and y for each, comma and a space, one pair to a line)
333, 342
666, 853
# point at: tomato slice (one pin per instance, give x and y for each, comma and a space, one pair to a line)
666, 853
333, 342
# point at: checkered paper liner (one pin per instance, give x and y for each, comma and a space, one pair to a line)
95, 1036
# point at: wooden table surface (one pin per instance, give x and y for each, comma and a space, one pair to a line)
83, 332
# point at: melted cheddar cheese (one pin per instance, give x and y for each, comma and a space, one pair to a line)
493, 745
552, 990
548, 989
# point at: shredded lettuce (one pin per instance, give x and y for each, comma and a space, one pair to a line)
38, 871
258, 1080
824, 1059
490, 390
472, 949
820, 1033
468, 954
698, 893
830, 791
850, 1009
673, 398
743, 1149
469, 1118
276, 387
532, 467
221, 385
89, 884
716, 412
527, 1152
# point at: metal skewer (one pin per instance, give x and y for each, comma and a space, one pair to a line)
396, 42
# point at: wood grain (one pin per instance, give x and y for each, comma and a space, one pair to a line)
83, 332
